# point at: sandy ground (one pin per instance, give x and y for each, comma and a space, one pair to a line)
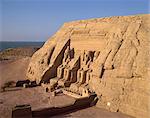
13, 70
92, 112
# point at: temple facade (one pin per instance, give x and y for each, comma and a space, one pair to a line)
106, 56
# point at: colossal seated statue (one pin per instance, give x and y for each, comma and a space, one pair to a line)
60, 69
84, 87
92, 65
125, 69
70, 72
85, 61
66, 60
105, 59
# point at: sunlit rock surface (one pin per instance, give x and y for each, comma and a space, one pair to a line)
108, 56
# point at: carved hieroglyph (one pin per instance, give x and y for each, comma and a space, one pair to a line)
108, 56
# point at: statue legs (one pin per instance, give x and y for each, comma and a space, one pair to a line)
54, 81
81, 77
84, 87
66, 78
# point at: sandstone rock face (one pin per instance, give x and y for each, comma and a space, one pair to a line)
113, 61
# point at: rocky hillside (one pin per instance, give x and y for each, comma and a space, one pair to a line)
123, 43
13, 53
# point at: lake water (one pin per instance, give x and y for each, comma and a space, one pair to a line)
5, 45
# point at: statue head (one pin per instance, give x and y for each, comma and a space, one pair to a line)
87, 56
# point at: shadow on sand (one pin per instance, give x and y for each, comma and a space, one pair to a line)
64, 110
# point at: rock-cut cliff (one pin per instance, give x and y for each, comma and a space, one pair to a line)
116, 52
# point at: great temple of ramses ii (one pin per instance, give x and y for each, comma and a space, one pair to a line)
109, 57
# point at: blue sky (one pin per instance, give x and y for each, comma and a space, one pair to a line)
36, 20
